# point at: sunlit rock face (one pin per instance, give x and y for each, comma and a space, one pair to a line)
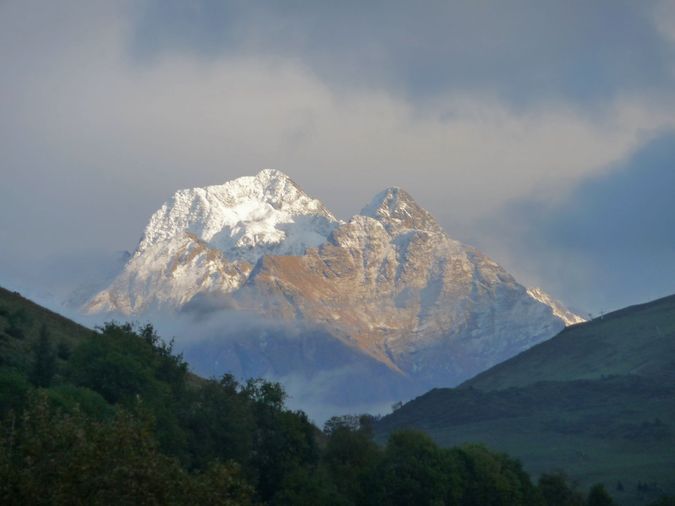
389, 284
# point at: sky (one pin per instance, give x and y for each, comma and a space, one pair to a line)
541, 132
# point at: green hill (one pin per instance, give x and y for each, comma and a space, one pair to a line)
635, 340
597, 401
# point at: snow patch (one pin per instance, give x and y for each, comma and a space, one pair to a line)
558, 308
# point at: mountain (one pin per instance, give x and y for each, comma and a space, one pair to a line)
389, 284
597, 401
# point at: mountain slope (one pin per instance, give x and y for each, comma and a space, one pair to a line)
20, 323
597, 401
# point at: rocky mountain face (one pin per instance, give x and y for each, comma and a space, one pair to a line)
388, 284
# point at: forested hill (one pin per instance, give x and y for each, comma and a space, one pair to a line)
597, 401
20, 323
112, 417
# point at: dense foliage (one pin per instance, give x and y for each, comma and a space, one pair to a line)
118, 419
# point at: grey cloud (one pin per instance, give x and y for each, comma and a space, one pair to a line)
523, 50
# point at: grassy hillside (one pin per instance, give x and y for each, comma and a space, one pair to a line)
635, 340
597, 401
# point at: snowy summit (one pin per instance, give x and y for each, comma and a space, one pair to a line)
244, 218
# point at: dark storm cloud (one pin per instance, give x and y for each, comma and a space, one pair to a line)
522, 50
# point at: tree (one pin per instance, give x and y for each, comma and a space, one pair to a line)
17, 321
116, 373
362, 423
347, 422
411, 471
219, 422
63, 350
598, 496
490, 479
558, 491
44, 360
351, 458
219, 484
265, 392
14, 388
284, 446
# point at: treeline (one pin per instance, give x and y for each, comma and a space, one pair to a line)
118, 419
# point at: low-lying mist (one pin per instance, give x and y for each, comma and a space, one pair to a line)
322, 374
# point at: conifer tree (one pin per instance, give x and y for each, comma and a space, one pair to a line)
598, 496
44, 360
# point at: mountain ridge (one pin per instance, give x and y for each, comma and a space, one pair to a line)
389, 281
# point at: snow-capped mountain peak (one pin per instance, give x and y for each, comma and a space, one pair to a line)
244, 218
388, 301
398, 212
